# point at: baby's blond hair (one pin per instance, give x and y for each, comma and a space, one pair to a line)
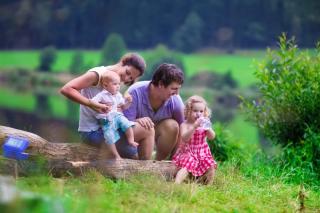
196, 99
109, 76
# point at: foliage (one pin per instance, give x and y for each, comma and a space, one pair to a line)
77, 63
299, 172
86, 24
188, 37
161, 54
225, 147
214, 80
47, 58
288, 107
225, 104
113, 49
232, 190
303, 161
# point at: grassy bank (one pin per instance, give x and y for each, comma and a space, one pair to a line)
232, 191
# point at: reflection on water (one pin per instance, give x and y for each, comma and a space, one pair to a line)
47, 119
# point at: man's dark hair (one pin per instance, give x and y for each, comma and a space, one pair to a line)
166, 74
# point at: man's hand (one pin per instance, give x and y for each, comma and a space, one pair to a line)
145, 122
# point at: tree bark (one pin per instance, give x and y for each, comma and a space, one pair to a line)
75, 159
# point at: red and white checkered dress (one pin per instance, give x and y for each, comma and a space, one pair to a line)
195, 154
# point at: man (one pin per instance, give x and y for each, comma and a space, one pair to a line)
157, 106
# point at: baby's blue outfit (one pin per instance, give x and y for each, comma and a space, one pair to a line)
114, 124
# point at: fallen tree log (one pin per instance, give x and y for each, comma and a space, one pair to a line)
75, 159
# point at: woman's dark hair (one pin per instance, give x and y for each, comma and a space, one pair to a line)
135, 60
166, 74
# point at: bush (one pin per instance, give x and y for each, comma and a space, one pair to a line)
47, 58
225, 147
212, 79
288, 107
161, 54
113, 49
77, 63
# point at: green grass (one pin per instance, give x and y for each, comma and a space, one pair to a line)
30, 59
232, 191
239, 63
19, 101
22, 59
244, 129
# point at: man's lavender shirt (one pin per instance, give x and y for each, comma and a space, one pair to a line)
140, 106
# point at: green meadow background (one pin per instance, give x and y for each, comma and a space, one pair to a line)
241, 65
256, 186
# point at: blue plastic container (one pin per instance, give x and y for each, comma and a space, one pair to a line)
14, 148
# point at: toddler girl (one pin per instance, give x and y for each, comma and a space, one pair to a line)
193, 154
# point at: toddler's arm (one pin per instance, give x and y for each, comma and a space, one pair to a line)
211, 134
187, 130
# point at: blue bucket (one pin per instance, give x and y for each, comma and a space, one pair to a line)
14, 148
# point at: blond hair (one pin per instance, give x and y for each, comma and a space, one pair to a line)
196, 99
109, 76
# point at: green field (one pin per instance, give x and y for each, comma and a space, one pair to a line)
239, 63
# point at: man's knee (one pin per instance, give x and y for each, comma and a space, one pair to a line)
140, 132
168, 125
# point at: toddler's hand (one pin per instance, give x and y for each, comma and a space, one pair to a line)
205, 123
197, 123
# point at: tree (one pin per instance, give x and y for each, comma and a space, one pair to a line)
77, 63
113, 49
161, 54
47, 58
189, 35
76, 67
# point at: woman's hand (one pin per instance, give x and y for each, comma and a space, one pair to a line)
100, 107
145, 122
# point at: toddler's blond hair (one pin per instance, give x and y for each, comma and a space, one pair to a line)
196, 99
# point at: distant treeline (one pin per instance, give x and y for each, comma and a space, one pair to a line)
185, 25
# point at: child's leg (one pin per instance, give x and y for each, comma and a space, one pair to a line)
181, 175
208, 176
109, 151
130, 137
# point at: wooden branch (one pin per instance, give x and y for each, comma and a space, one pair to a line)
76, 158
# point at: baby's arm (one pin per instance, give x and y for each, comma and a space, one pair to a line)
127, 100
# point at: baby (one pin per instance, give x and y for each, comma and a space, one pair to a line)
114, 121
